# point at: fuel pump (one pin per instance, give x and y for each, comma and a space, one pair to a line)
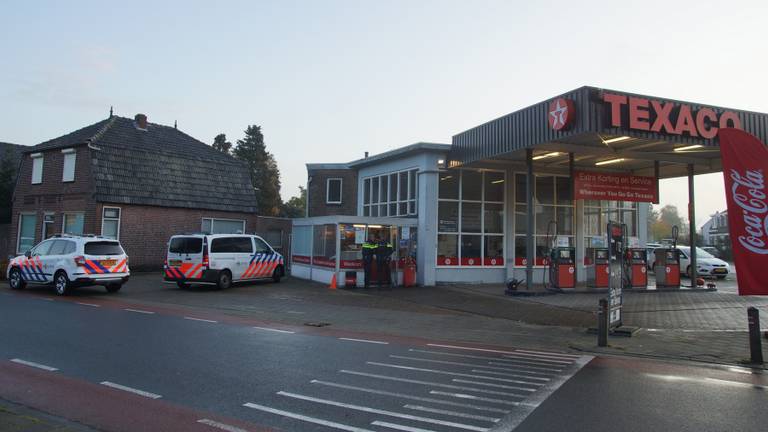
598, 271
634, 268
562, 267
667, 264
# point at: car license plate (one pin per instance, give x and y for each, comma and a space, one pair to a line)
174, 263
108, 263
719, 270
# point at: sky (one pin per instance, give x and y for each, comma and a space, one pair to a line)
329, 80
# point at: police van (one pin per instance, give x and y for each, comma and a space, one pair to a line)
220, 260
68, 261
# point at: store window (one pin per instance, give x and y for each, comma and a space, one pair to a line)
553, 215
352, 239
597, 214
223, 226
333, 191
27, 223
110, 223
391, 194
301, 244
324, 246
470, 218
73, 223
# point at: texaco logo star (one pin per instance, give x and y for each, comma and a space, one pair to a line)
561, 112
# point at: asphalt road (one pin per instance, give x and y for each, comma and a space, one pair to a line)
115, 366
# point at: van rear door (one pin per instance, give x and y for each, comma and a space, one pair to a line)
185, 258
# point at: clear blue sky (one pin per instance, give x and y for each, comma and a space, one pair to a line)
328, 80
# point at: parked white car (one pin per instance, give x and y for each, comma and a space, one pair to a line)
708, 264
71, 261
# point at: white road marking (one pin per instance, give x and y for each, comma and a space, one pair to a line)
451, 373
383, 412
502, 386
139, 311
509, 374
44, 298
34, 365
200, 319
88, 304
512, 363
493, 350
429, 383
534, 358
275, 330
365, 340
399, 427
452, 413
507, 369
542, 367
307, 419
473, 397
551, 354
296, 312
131, 390
708, 380
411, 397
222, 426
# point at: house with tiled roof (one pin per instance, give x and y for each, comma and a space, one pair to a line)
136, 181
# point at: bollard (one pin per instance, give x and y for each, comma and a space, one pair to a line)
755, 344
602, 324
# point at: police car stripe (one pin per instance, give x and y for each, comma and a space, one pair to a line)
257, 268
265, 268
100, 267
88, 268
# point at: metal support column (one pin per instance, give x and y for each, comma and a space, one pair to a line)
692, 225
530, 247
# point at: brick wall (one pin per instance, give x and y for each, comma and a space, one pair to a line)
317, 192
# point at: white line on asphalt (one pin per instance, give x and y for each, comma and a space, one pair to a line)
512, 363
509, 374
34, 365
365, 340
222, 426
131, 390
492, 350
452, 413
498, 363
399, 427
411, 397
200, 319
508, 369
429, 383
139, 311
451, 373
88, 304
383, 412
305, 418
296, 312
534, 357
473, 397
502, 386
707, 380
275, 330
551, 354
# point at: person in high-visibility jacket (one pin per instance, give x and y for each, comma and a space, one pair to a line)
384, 251
369, 250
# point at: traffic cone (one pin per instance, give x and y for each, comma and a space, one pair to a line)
333, 282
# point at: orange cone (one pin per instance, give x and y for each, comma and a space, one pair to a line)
333, 282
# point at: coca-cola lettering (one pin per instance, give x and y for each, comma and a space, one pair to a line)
667, 117
754, 208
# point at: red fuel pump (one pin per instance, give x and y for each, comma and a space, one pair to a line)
667, 268
598, 272
562, 268
635, 269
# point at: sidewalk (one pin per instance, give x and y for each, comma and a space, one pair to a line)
18, 418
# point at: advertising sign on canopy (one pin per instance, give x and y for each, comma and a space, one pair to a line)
615, 187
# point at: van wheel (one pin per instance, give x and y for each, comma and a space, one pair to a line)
113, 288
225, 280
277, 274
15, 280
61, 283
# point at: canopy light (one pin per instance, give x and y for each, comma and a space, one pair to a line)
690, 147
546, 155
609, 161
617, 139
440, 161
446, 178
497, 181
359, 225
375, 226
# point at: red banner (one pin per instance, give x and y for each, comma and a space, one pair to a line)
745, 162
614, 187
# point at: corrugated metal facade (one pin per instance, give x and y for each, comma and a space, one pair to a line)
528, 127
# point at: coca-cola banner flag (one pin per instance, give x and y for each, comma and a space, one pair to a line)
745, 164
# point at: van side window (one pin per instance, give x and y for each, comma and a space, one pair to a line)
231, 245
261, 246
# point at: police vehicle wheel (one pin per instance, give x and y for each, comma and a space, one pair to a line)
277, 274
182, 285
225, 280
113, 288
61, 283
15, 280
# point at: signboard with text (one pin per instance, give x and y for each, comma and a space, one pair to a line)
614, 187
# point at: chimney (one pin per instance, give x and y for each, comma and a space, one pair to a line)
366, 154
141, 121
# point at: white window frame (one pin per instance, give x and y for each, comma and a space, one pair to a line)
328, 190
70, 152
37, 179
393, 193
18, 231
119, 219
64, 220
221, 219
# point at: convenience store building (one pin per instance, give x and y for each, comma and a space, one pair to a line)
484, 208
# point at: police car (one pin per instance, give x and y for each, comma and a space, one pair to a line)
71, 261
220, 260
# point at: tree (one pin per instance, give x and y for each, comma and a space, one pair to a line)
665, 219
265, 176
221, 144
296, 206
7, 181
